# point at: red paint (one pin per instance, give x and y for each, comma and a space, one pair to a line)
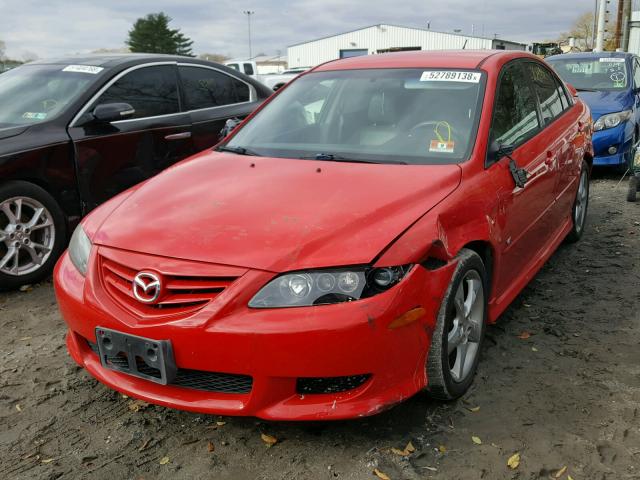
248, 218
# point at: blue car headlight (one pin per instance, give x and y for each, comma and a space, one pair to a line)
327, 286
611, 120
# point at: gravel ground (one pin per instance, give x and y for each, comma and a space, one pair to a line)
559, 384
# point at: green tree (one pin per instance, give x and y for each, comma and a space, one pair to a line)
152, 34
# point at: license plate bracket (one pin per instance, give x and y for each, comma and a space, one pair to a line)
137, 356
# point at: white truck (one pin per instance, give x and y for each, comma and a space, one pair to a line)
272, 80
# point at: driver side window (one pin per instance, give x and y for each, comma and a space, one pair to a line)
636, 74
515, 116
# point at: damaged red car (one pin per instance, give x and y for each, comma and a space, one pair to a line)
343, 248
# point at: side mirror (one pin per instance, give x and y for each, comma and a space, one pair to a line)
572, 90
497, 151
229, 126
112, 112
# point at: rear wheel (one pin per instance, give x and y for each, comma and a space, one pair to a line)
457, 339
580, 205
32, 233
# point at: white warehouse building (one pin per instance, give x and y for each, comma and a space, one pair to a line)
385, 38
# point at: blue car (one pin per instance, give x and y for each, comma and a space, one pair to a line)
609, 83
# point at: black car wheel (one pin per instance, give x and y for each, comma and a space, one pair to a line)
580, 205
32, 233
457, 339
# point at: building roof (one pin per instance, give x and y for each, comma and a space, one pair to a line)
406, 27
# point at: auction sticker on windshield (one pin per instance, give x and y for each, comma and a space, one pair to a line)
612, 59
450, 76
82, 69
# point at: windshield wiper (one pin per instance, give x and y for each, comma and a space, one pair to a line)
330, 157
586, 90
238, 150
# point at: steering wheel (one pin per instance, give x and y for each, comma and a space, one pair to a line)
49, 104
434, 124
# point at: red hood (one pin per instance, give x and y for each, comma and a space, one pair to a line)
275, 214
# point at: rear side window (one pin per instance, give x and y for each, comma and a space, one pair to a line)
206, 88
548, 93
248, 69
515, 116
636, 74
151, 91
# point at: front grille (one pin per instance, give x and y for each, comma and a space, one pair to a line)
311, 385
181, 295
195, 379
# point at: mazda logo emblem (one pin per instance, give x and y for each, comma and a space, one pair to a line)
147, 287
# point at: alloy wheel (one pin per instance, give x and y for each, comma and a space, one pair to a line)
463, 339
27, 235
582, 197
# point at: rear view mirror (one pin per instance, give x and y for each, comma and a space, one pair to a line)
112, 112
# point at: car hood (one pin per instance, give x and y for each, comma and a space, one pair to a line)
606, 102
8, 132
274, 214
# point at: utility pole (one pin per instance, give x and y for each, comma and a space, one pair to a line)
626, 19
602, 15
248, 13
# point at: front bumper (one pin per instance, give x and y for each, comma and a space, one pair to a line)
620, 137
276, 347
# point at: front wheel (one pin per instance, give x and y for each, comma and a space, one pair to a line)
457, 339
580, 205
32, 233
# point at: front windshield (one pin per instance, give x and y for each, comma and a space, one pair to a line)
414, 116
35, 93
600, 73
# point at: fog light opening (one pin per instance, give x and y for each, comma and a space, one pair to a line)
612, 150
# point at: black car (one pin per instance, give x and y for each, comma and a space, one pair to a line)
76, 131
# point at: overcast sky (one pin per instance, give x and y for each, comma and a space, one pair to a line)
60, 27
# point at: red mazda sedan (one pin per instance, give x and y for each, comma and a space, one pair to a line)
343, 248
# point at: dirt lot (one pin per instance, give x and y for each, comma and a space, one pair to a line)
566, 396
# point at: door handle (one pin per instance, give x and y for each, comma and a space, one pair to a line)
580, 126
178, 136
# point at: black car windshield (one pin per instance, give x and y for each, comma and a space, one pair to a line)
413, 116
34, 93
596, 73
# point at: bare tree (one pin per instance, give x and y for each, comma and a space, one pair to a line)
582, 31
2, 49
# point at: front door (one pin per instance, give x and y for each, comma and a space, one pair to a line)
213, 96
111, 157
524, 213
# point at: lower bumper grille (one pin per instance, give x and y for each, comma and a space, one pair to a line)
196, 379
330, 384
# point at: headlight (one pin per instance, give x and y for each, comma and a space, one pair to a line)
611, 120
79, 249
322, 287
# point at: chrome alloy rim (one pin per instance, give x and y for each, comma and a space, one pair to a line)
463, 339
27, 235
582, 197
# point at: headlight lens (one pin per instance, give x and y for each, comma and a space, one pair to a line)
323, 287
611, 120
79, 249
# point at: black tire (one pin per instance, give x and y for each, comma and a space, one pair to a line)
634, 183
28, 190
577, 228
440, 382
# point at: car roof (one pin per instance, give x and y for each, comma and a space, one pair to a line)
569, 56
468, 59
109, 60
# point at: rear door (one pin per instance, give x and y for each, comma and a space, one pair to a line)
212, 96
112, 157
523, 215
